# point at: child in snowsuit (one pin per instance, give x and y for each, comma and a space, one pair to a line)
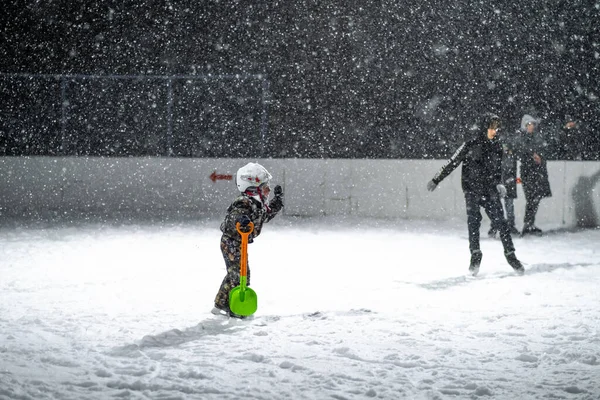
482, 185
250, 206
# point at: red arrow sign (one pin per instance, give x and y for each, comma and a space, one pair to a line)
219, 177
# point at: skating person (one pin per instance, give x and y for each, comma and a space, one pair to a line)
534, 172
509, 180
481, 158
251, 205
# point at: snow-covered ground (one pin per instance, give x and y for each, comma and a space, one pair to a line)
349, 309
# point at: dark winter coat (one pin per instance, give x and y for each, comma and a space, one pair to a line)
534, 176
509, 164
571, 143
258, 213
482, 162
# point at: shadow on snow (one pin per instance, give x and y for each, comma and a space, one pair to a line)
466, 279
219, 325
210, 327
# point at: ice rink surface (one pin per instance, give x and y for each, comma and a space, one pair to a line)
348, 309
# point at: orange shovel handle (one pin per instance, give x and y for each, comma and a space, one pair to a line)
244, 249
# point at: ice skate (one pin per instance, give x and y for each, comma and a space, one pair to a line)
515, 263
220, 311
531, 230
234, 315
476, 257
226, 312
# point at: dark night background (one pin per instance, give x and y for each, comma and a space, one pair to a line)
315, 79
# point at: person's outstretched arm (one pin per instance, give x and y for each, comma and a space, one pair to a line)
276, 204
454, 161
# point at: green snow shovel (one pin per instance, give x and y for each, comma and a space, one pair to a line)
242, 299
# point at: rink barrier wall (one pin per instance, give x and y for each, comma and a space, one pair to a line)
47, 186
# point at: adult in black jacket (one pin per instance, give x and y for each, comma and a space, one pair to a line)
482, 185
534, 171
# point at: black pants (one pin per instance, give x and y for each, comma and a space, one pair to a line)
493, 209
531, 207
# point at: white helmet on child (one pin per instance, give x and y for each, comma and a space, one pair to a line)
252, 175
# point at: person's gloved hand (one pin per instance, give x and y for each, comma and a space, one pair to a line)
244, 220
501, 189
277, 203
278, 191
431, 185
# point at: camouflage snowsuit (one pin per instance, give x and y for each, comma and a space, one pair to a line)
231, 240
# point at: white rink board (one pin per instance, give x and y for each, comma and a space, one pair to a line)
46, 186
